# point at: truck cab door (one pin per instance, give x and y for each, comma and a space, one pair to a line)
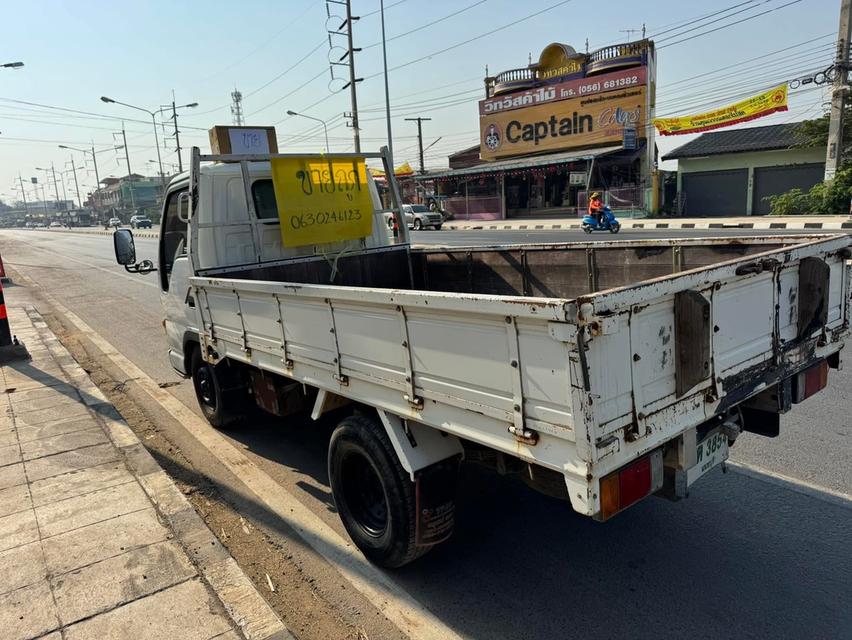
175, 271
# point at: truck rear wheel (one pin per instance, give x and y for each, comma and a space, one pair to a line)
375, 497
221, 405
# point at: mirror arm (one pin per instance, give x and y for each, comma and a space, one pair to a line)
139, 267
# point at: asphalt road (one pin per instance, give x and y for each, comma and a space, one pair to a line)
744, 556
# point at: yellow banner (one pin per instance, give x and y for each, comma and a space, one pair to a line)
322, 200
749, 109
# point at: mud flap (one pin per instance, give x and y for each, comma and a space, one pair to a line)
435, 492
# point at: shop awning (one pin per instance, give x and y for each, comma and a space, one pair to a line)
515, 164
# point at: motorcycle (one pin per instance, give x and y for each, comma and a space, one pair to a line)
590, 222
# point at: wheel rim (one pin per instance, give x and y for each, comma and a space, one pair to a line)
205, 387
418, 225
364, 495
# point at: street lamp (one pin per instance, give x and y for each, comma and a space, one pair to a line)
12, 65
153, 115
324, 125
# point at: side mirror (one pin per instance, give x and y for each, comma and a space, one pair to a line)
125, 253
125, 248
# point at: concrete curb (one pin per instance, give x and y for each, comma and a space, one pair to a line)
100, 232
652, 224
238, 595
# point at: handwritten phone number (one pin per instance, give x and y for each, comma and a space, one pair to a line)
311, 219
606, 85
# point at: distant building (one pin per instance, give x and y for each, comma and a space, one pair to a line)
127, 194
732, 172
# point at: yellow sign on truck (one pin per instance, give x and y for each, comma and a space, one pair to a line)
322, 200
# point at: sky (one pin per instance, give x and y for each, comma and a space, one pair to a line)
277, 54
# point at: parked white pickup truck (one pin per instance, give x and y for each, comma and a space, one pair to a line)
598, 372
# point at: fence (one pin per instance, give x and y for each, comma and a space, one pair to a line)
474, 207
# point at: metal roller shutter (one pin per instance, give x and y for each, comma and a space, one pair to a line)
770, 181
716, 193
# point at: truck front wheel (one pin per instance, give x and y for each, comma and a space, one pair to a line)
219, 403
375, 497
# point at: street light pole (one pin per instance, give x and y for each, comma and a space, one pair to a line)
94, 162
153, 115
324, 125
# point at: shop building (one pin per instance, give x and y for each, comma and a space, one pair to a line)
733, 172
556, 130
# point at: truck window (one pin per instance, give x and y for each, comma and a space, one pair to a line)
173, 242
264, 199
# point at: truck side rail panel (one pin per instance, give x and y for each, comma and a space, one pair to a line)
482, 368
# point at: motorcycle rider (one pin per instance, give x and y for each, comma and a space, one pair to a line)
596, 207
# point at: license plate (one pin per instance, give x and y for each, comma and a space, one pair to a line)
710, 452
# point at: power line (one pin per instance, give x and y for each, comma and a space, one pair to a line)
428, 24
725, 26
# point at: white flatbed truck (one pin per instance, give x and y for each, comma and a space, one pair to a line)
599, 372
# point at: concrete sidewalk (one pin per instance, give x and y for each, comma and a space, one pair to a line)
96, 541
804, 223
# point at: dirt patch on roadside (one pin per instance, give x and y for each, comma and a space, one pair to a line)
297, 597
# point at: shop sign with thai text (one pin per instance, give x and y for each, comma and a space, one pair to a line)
564, 124
593, 85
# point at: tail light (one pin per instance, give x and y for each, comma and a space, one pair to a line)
810, 382
631, 483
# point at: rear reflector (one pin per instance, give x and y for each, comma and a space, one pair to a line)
810, 382
630, 484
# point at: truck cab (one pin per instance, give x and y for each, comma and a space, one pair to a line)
235, 226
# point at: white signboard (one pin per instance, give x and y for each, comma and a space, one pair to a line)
576, 177
245, 141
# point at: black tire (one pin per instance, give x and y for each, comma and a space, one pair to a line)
418, 224
615, 228
438, 227
375, 497
587, 228
223, 409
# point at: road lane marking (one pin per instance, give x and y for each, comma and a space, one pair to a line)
810, 489
112, 272
411, 617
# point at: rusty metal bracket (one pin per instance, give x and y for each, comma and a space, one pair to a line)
411, 397
285, 357
338, 372
517, 429
246, 348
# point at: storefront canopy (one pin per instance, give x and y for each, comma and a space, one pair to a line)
518, 164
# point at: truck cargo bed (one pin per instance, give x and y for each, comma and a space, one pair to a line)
575, 357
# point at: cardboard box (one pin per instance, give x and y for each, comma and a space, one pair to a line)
227, 139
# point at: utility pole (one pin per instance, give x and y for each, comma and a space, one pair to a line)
177, 135
55, 185
351, 50
352, 80
23, 194
97, 177
834, 148
419, 122
76, 184
129, 173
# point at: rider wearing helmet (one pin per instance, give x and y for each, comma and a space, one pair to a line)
596, 207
